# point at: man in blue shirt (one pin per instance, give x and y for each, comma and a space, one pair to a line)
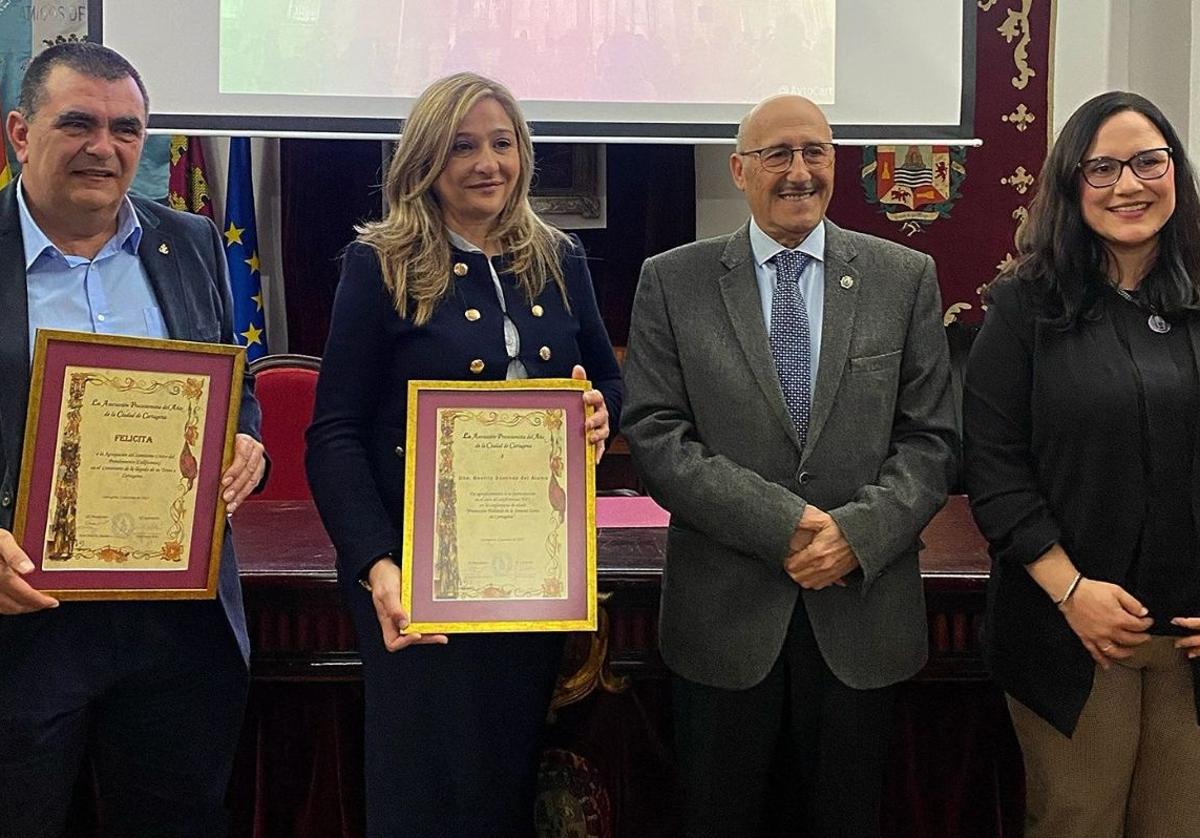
151, 692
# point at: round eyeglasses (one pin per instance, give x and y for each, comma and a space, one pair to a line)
778, 158
1101, 172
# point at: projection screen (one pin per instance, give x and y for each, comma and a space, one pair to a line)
602, 70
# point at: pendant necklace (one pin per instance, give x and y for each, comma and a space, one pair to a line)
1157, 323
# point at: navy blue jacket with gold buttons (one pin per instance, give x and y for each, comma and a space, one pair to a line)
355, 457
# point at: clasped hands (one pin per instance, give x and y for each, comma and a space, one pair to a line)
1110, 622
818, 553
19, 597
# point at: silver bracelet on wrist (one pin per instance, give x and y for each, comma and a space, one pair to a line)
1070, 589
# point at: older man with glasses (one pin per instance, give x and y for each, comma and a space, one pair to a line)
789, 402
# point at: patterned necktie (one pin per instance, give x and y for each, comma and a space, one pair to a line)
790, 339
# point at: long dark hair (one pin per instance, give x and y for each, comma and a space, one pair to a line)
1065, 257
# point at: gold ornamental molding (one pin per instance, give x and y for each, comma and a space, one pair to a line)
179, 145
593, 672
952, 313
1019, 180
1016, 26
1021, 216
1020, 119
986, 5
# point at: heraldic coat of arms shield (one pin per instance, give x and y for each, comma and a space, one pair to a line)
913, 184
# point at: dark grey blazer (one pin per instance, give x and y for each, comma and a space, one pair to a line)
712, 440
183, 257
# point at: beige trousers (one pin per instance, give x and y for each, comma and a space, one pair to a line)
1132, 768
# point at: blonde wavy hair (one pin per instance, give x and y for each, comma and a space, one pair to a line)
411, 240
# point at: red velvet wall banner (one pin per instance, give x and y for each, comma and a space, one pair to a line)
963, 206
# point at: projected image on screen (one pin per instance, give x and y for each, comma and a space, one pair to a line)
711, 51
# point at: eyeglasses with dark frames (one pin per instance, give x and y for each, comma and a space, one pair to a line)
1102, 172
778, 158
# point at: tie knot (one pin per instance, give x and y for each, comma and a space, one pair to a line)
789, 264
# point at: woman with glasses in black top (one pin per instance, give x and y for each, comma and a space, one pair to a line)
1080, 424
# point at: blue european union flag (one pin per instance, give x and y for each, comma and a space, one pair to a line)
241, 251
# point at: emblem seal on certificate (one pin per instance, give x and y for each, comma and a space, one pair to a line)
499, 507
125, 441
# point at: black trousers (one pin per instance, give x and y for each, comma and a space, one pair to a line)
799, 754
453, 734
153, 692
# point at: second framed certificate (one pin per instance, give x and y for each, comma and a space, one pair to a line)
500, 514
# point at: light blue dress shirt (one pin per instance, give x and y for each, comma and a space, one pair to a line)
812, 280
109, 294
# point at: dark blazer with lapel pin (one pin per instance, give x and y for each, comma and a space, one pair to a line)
712, 440
184, 259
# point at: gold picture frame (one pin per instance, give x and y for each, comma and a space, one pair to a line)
500, 508
125, 443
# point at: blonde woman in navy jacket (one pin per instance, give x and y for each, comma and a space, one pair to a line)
460, 280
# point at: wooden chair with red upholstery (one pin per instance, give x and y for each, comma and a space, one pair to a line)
286, 386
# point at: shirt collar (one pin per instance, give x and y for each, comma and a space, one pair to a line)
462, 244
127, 237
764, 247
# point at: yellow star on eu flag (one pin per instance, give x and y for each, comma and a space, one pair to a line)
233, 235
257, 300
252, 262
253, 335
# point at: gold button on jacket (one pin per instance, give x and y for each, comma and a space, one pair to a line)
477, 366
460, 268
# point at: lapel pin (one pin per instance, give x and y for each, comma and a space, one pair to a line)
847, 282
163, 249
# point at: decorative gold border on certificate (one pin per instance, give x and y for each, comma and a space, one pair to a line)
33, 414
415, 388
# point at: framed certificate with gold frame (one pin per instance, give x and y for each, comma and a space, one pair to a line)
125, 442
500, 511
